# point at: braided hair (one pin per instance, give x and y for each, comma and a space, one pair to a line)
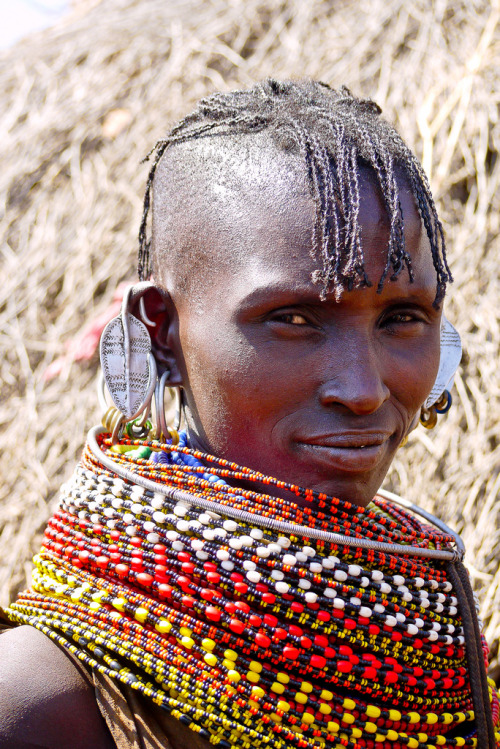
335, 134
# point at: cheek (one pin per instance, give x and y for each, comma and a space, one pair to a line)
412, 376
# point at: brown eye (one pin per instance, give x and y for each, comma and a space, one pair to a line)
293, 319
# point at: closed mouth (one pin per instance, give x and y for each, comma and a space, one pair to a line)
353, 452
347, 440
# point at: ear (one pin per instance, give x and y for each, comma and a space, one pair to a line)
154, 307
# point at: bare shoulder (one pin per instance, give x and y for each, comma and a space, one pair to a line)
45, 699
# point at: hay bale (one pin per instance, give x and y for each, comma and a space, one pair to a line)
83, 102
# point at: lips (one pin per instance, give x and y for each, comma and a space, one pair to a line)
354, 452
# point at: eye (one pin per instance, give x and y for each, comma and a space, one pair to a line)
291, 318
403, 322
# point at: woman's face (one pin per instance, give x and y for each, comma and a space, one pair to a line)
316, 392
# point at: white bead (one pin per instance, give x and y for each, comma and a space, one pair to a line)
391, 621
172, 535
213, 515
277, 575
177, 546
111, 524
222, 554
448, 639
153, 538
316, 567
354, 570
364, 582
284, 542
194, 525
304, 584
441, 597
131, 530
300, 557
448, 586
338, 603
95, 518
412, 629
182, 526
282, 587
355, 601
253, 576
257, 534
419, 622
454, 601
309, 551
407, 596
377, 575
262, 552
400, 617
453, 610
235, 543
180, 510
379, 608
311, 597
157, 501
128, 517
425, 603
433, 636
365, 611
249, 565
461, 640
434, 584
398, 580
202, 555
159, 517
149, 526
246, 540
328, 563
229, 566
424, 594
274, 548
329, 593
419, 582
205, 518
289, 559
439, 607
220, 533
109, 512
385, 588
137, 508
208, 534
436, 626
197, 544
230, 525
340, 575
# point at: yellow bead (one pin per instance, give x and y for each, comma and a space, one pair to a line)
379, 737
431, 718
231, 655
459, 741
119, 603
348, 718
306, 687
356, 733
326, 695
94, 606
277, 687
413, 743
370, 727
332, 727
284, 678
141, 614
254, 704
325, 709
163, 626
349, 704
187, 642
440, 740
186, 632
233, 675
253, 677
258, 692
208, 644
422, 737
255, 666
447, 718
115, 615
283, 706
301, 698
392, 735
276, 718
394, 715
228, 664
373, 712
414, 717
307, 718
210, 659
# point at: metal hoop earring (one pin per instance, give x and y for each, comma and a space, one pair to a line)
162, 430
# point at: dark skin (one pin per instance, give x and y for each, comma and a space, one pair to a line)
317, 392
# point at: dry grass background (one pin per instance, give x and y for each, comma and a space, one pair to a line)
83, 102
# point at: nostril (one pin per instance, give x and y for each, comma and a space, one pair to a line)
360, 394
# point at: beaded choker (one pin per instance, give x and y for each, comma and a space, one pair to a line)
253, 619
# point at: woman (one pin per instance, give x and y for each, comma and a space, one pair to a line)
298, 271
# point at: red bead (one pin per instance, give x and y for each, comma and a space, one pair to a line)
280, 633
255, 621
136, 541
270, 620
323, 616
102, 562
212, 577
159, 549
143, 578
269, 598
297, 607
122, 570
391, 677
188, 601
83, 556
241, 588
165, 590
263, 641
212, 613
291, 653
344, 667
295, 631
207, 594
237, 626
306, 642
317, 661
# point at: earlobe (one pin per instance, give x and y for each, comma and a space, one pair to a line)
154, 307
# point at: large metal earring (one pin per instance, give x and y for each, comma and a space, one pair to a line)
428, 416
128, 368
161, 428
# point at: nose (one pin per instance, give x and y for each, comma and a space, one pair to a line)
355, 380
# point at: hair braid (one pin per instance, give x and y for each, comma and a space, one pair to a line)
335, 134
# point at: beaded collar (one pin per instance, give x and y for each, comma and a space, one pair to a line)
282, 633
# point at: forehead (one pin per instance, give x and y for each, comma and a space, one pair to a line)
225, 208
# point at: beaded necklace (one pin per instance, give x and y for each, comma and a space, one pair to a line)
250, 635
